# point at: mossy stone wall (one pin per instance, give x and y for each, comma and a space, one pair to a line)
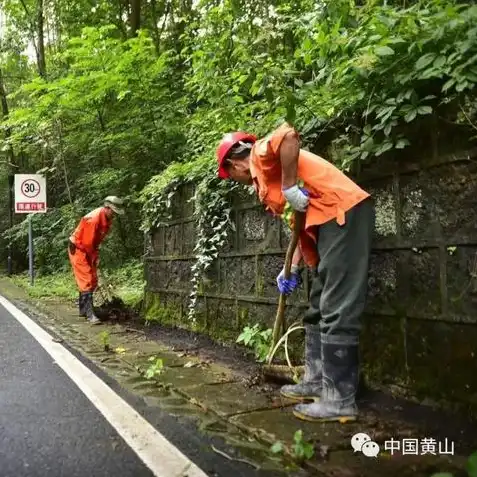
420, 329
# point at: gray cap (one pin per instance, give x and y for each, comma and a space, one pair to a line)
115, 204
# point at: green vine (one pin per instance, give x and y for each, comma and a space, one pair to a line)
212, 212
212, 207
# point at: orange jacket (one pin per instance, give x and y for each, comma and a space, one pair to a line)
332, 193
91, 231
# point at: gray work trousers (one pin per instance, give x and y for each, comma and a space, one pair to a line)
339, 289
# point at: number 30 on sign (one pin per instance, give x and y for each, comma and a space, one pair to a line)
30, 194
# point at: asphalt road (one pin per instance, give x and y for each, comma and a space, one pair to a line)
49, 428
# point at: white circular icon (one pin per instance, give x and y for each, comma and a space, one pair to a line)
370, 449
30, 188
358, 440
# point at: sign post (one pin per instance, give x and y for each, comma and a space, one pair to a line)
30, 198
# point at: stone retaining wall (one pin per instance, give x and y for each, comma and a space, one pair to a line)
421, 326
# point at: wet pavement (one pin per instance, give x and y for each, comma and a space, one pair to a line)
238, 423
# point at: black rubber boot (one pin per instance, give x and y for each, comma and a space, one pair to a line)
92, 318
310, 388
340, 383
81, 304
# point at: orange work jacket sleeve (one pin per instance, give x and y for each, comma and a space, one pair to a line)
91, 231
332, 193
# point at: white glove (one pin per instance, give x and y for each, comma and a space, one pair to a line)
297, 198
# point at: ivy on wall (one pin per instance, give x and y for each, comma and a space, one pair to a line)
359, 73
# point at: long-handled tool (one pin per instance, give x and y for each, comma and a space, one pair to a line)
279, 326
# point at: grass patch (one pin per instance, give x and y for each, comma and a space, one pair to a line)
58, 285
126, 282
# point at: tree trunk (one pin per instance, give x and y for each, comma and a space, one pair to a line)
41, 40
5, 112
155, 29
135, 16
11, 169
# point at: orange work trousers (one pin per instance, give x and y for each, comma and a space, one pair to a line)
85, 272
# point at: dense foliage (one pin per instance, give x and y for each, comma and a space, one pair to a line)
132, 97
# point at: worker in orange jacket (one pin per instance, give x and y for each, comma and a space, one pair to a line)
336, 242
83, 251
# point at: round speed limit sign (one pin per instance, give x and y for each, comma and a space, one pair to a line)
30, 188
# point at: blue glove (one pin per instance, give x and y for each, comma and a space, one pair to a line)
288, 286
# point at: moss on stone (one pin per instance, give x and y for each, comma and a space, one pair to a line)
155, 311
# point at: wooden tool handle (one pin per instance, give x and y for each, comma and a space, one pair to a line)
279, 325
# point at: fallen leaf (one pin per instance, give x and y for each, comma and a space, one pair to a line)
120, 350
189, 364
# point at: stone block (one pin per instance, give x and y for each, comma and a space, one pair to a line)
156, 273
272, 238
229, 242
269, 266
222, 321
419, 281
175, 209
383, 349
188, 191
173, 240
179, 274
237, 276
228, 399
210, 282
261, 313
280, 424
251, 229
200, 313
174, 302
189, 237
148, 245
383, 283
453, 188
157, 241
185, 377
441, 200
418, 218
442, 360
386, 227
462, 283
285, 235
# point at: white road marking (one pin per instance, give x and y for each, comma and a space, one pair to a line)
157, 453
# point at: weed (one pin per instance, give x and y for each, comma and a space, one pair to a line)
302, 449
257, 339
105, 340
156, 368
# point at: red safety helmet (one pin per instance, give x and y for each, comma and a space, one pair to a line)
227, 143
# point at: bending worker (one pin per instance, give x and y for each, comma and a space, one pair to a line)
83, 251
336, 241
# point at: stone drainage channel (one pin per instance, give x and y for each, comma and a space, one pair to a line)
214, 399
